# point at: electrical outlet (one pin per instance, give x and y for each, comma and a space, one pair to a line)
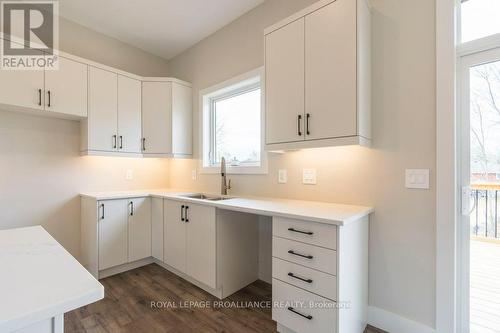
129, 174
194, 174
282, 176
309, 176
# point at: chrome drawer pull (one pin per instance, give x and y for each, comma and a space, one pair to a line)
299, 278
301, 232
308, 317
300, 255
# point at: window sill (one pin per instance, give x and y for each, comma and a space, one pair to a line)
254, 170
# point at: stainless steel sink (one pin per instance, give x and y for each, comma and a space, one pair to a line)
203, 197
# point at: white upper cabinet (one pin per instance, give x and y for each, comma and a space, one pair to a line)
182, 119
66, 88
318, 77
285, 83
157, 117
330, 83
103, 110
166, 118
129, 115
22, 89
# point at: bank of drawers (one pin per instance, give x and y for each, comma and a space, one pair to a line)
305, 275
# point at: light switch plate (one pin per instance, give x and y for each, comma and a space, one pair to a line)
417, 178
194, 174
309, 176
282, 176
129, 174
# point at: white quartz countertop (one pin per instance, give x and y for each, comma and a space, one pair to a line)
323, 212
39, 279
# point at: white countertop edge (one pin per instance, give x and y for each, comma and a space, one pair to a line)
52, 311
226, 204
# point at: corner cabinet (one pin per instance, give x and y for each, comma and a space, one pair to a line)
166, 118
317, 65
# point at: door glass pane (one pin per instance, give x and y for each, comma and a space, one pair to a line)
479, 18
485, 182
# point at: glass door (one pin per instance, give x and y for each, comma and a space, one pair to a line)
479, 171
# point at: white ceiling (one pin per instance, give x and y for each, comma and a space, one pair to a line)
162, 27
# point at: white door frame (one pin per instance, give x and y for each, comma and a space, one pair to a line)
449, 309
446, 184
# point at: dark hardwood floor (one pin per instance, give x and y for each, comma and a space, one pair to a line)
127, 307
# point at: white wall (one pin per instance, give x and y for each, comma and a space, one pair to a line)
41, 172
402, 230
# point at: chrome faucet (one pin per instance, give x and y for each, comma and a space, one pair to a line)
224, 185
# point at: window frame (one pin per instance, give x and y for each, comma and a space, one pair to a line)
235, 86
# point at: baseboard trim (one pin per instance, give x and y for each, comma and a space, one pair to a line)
392, 322
125, 267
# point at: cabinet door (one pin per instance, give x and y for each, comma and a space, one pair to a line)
330, 58
182, 117
175, 236
102, 121
112, 233
22, 88
200, 244
139, 229
129, 115
285, 83
66, 88
157, 117
157, 231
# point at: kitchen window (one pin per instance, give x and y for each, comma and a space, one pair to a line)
232, 114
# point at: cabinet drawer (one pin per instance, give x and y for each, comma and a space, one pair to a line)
306, 278
319, 234
313, 313
319, 258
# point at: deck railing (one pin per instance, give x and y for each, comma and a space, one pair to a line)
484, 218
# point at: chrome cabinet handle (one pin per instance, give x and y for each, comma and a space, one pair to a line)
143, 144
131, 208
300, 231
182, 213
121, 142
307, 256
102, 216
48, 94
299, 118
40, 97
114, 141
308, 317
299, 278
186, 214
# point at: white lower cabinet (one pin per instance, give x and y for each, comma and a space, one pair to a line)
190, 240
302, 311
113, 233
320, 274
139, 229
157, 231
175, 235
200, 243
